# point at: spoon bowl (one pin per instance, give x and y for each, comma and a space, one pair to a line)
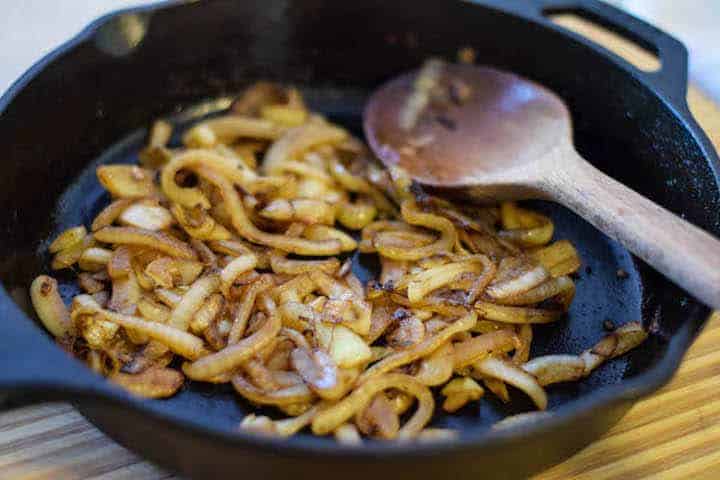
494, 136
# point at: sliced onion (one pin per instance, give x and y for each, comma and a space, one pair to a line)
67, 239
180, 342
505, 314
127, 181
332, 417
152, 383
148, 217
146, 238
247, 229
509, 373
515, 276
423, 348
475, 349
438, 367
111, 213
551, 288
555, 368
239, 265
233, 356
422, 283
347, 434
379, 418
192, 300
298, 140
49, 306
414, 216
283, 396
319, 371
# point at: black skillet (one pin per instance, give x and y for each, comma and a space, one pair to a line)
128, 68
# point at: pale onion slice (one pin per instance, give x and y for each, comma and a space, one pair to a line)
518, 378
555, 368
148, 217
49, 306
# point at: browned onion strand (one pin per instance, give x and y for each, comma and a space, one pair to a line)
197, 257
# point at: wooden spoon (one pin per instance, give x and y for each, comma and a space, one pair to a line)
511, 138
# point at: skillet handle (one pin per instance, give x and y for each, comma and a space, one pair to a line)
672, 77
32, 368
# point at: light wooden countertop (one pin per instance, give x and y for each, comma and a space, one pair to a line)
674, 434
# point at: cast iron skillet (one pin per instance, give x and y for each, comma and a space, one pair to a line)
128, 68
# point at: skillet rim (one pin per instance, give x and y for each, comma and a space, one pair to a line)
89, 386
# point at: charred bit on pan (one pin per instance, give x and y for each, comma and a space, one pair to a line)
446, 122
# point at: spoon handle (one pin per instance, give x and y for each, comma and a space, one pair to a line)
681, 251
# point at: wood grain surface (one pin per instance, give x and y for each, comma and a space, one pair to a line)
674, 434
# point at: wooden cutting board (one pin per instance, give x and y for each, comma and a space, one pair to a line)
674, 434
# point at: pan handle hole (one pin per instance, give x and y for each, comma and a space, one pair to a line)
630, 50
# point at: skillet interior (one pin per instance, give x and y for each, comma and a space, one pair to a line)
621, 299
88, 98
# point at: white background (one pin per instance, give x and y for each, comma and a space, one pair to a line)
31, 28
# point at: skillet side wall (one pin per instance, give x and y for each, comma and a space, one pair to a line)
199, 457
